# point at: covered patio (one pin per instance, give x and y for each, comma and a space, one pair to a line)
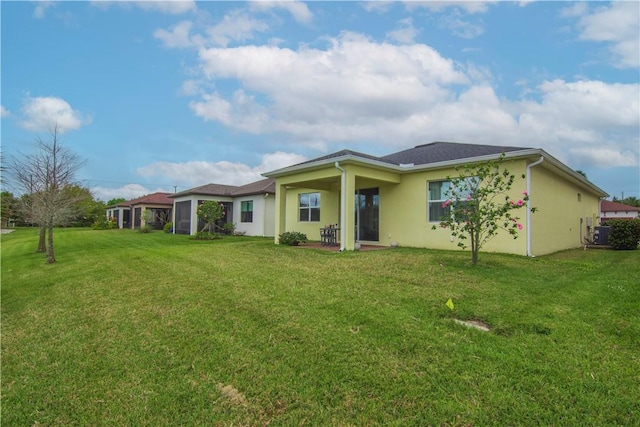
341, 189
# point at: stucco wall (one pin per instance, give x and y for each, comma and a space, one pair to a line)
557, 223
404, 218
261, 206
329, 211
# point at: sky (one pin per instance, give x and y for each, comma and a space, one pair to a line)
167, 96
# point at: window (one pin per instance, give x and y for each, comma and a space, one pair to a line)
309, 204
437, 196
246, 211
443, 195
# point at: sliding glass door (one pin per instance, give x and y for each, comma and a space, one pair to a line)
367, 209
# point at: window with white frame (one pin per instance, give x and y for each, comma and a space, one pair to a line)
442, 194
246, 211
309, 206
437, 206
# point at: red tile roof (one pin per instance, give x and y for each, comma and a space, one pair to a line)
609, 206
151, 199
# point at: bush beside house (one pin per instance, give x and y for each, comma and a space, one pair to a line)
624, 233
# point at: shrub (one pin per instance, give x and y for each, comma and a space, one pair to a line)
205, 235
104, 224
145, 229
168, 227
624, 233
292, 238
228, 228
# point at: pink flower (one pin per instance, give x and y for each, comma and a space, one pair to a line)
520, 202
525, 192
468, 196
519, 226
446, 203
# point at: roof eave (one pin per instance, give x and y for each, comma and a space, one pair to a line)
326, 162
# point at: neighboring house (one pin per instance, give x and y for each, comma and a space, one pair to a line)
250, 207
121, 214
130, 214
396, 199
614, 210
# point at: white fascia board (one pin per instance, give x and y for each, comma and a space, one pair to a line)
520, 154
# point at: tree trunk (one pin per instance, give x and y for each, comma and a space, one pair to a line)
51, 258
42, 245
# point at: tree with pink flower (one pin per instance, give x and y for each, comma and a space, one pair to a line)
480, 206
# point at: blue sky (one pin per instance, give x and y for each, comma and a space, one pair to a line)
158, 96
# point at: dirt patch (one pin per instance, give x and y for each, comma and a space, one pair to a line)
231, 393
476, 324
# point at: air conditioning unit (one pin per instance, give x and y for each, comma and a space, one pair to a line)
601, 235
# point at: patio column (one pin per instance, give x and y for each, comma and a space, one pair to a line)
348, 222
281, 211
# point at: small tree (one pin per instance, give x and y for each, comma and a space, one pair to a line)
45, 177
478, 205
209, 212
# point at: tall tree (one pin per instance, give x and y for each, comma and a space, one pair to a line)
478, 205
44, 176
7, 208
115, 201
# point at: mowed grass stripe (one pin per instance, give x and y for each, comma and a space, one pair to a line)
156, 329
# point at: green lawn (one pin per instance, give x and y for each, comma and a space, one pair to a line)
156, 329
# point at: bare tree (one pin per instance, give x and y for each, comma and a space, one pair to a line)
43, 177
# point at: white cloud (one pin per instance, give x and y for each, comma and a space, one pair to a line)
617, 24
461, 27
235, 26
179, 36
379, 6
406, 32
171, 7
357, 87
439, 6
4, 112
43, 113
41, 8
128, 192
581, 120
190, 174
395, 96
297, 9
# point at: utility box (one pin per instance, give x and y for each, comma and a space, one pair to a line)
601, 235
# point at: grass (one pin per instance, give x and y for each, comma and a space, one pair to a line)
156, 329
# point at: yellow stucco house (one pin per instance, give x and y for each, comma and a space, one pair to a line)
396, 199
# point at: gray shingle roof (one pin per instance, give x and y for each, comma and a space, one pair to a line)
263, 186
208, 190
258, 187
436, 152
433, 152
340, 154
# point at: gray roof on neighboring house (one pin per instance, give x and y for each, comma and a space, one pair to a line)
208, 190
258, 187
436, 152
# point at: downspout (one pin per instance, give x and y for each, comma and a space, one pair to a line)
343, 204
529, 204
